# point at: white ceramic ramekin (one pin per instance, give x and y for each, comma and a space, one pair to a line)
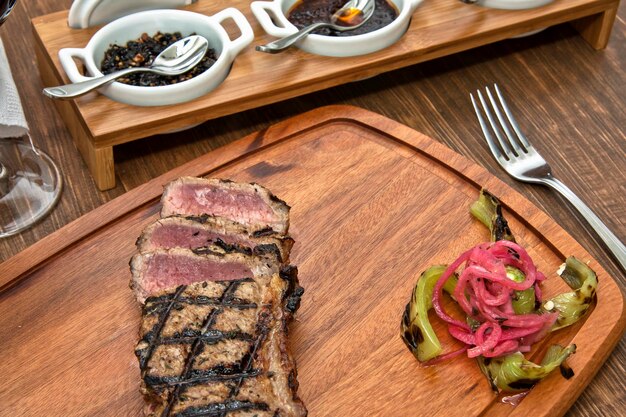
132, 26
88, 13
272, 17
513, 4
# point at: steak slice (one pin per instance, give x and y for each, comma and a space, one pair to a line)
251, 205
218, 348
166, 268
198, 231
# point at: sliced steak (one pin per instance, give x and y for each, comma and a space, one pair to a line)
219, 349
218, 296
251, 205
198, 231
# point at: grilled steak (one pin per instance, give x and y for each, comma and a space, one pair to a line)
218, 349
248, 204
198, 231
218, 297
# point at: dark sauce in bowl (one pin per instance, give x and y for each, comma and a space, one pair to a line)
142, 52
305, 12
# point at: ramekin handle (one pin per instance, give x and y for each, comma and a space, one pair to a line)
264, 11
66, 56
415, 3
247, 34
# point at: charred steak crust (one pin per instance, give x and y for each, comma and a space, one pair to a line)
204, 230
198, 320
294, 292
270, 251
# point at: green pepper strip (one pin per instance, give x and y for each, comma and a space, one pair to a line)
571, 306
416, 330
523, 301
515, 373
488, 210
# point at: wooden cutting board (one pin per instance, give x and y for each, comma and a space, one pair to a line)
374, 203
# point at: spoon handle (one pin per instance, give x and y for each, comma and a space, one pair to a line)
69, 91
284, 43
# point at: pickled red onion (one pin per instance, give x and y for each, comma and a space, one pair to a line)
484, 292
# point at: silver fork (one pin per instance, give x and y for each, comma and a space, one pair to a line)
522, 161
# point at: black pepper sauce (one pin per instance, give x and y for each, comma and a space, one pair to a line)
305, 12
142, 52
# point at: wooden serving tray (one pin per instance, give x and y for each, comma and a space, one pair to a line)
374, 203
438, 28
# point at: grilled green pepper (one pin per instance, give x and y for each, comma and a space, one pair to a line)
416, 330
511, 372
488, 210
573, 305
515, 373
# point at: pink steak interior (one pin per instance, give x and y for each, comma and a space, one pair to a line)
166, 271
241, 206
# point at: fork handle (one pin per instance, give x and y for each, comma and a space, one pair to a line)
610, 240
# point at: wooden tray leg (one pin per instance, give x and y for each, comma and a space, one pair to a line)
596, 29
99, 161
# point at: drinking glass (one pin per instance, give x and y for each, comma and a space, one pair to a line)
30, 182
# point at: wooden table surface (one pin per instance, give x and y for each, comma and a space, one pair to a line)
569, 99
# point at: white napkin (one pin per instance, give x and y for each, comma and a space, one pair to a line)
12, 120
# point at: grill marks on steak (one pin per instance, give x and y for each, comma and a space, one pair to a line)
197, 231
204, 350
251, 205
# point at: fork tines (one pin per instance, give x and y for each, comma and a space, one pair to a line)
510, 144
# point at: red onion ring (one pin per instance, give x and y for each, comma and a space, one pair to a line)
484, 292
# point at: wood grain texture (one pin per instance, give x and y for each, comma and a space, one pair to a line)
568, 98
361, 187
437, 28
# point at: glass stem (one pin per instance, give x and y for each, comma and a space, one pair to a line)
32, 144
4, 180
